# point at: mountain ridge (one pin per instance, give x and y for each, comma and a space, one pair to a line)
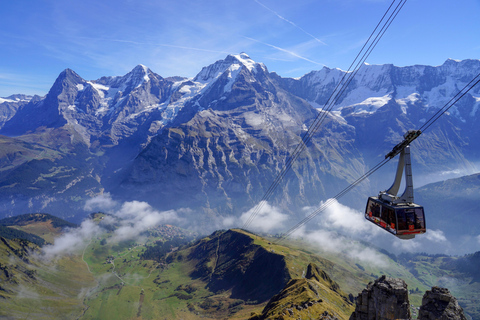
225, 134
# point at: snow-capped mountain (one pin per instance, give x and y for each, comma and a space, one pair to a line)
10, 105
214, 143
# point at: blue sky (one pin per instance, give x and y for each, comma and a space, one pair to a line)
40, 38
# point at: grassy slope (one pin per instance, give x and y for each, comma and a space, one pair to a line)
14, 152
131, 288
38, 289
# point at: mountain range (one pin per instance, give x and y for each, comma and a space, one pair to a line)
214, 143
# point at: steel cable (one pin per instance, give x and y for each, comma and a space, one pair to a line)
332, 100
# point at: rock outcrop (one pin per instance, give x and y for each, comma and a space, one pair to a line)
439, 304
386, 298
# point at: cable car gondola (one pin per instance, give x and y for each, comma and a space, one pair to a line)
398, 215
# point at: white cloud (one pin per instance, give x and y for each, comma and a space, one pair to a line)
74, 240
131, 220
103, 202
330, 241
268, 218
341, 217
344, 220
412, 245
435, 235
368, 255
228, 222
137, 217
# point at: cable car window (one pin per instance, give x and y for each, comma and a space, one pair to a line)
390, 217
410, 215
383, 214
419, 218
401, 220
373, 209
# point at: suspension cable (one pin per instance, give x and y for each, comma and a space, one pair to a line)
332, 100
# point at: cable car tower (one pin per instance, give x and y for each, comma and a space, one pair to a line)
398, 215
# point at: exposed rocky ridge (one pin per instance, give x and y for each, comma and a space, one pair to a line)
439, 304
315, 295
387, 298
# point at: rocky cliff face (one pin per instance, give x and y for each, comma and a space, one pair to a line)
229, 151
386, 298
439, 304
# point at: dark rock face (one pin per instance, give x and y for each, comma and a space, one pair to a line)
439, 304
386, 298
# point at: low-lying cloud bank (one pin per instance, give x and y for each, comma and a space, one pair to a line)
73, 240
338, 228
341, 229
129, 219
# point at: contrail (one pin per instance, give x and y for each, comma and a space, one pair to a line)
286, 51
292, 23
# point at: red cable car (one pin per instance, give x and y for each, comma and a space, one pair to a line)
398, 215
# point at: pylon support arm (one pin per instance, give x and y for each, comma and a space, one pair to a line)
404, 162
407, 139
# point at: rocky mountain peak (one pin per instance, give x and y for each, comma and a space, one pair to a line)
386, 298
68, 75
132, 80
439, 304
232, 64
246, 61
66, 79
138, 75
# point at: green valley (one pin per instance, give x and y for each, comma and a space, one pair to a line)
171, 273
